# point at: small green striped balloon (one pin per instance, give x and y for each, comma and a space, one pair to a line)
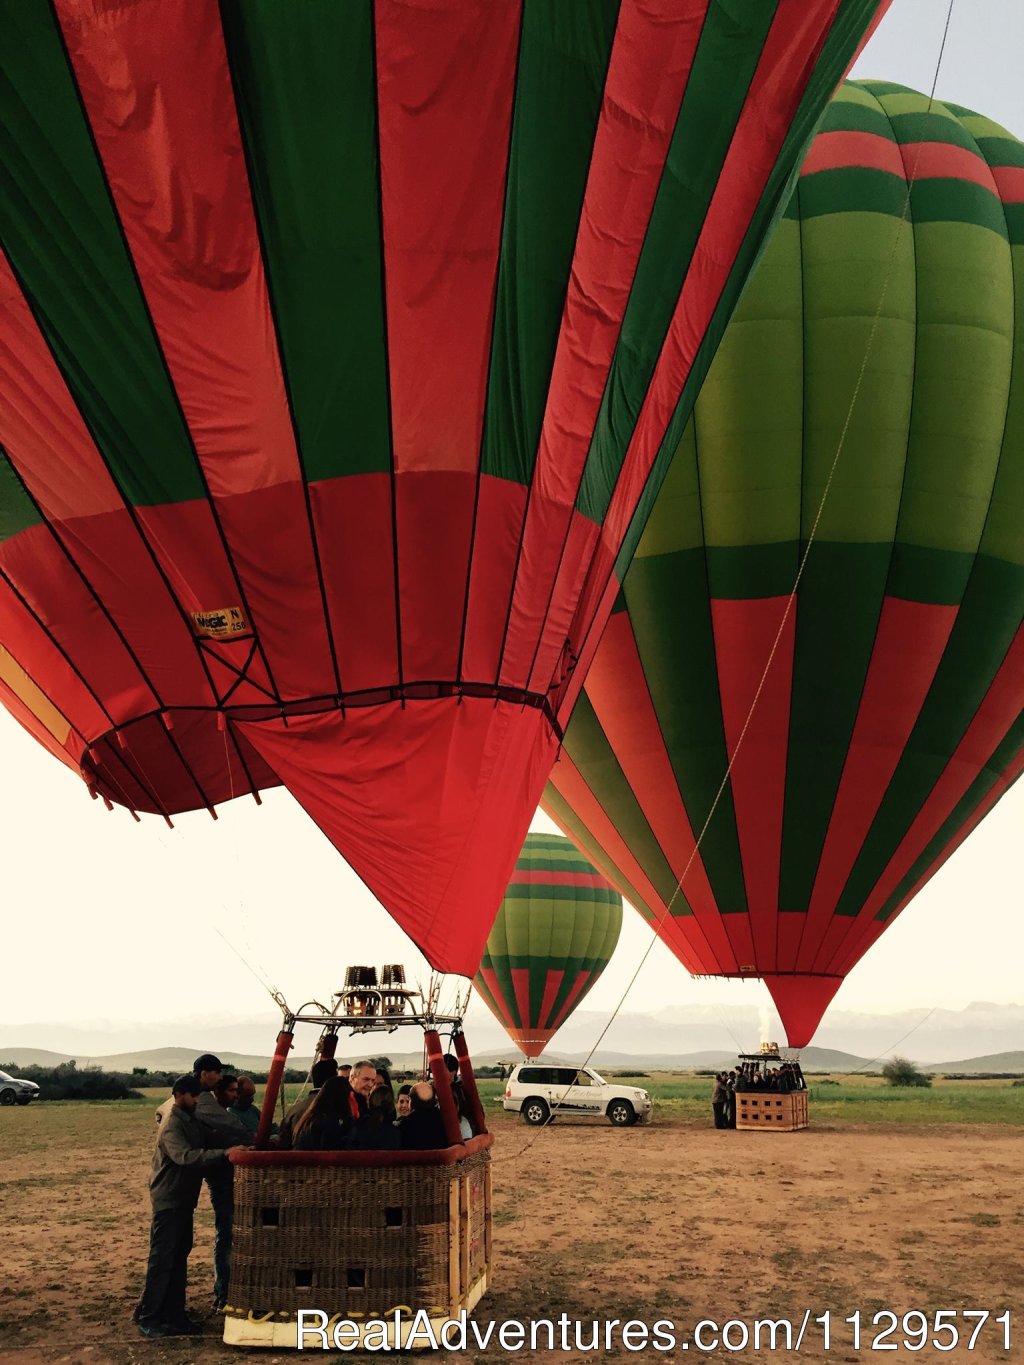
556, 930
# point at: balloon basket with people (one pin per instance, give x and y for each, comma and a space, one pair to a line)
351, 1212
767, 1092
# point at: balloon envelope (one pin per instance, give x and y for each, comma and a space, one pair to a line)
341, 346
890, 720
555, 933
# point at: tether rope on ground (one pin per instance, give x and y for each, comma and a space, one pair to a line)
791, 599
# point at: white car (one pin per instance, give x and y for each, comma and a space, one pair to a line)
15, 1091
537, 1092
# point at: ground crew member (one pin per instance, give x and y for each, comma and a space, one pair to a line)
180, 1159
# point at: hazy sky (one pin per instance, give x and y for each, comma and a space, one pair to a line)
106, 919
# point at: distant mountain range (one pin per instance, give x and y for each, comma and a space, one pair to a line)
677, 1036
813, 1059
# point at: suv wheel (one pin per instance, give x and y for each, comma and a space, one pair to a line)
535, 1111
621, 1114
24, 1099
7, 1097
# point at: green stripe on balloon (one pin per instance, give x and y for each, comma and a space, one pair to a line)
77, 274
304, 82
17, 511
563, 58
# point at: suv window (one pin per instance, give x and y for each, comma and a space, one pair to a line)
537, 1075
583, 1079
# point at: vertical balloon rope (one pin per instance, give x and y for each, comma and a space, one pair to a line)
790, 601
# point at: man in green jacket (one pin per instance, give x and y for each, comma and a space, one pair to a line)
180, 1160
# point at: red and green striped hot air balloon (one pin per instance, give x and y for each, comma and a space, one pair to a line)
891, 719
556, 930
343, 344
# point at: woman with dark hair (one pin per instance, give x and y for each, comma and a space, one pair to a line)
325, 1125
377, 1131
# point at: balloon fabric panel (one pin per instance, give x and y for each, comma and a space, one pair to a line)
321, 360
891, 717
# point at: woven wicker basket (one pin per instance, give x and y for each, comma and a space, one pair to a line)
357, 1235
764, 1110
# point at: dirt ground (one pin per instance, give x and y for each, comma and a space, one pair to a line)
675, 1221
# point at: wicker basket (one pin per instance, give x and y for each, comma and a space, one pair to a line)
357, 1235
766, 1111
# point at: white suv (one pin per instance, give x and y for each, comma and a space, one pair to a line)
537, 1092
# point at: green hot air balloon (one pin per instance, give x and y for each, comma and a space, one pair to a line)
555, 933
891, 719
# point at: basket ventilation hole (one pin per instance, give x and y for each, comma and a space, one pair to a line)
392, 1218
271, 1218
356, 1277
303, 1279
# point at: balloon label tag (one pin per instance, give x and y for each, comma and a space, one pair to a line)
223, 623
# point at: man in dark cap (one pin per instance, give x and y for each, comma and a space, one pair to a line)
223, 1129
180, 1159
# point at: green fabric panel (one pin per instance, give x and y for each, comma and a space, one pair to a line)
848, 189
676, 522
965, 323
957, 201
748, 410
1003, 537
304, 83
563, 59
681, 671
76, 269
837, 615
532, 890
999, 149
992, 610
17, 511
854, 110
836, 54
724, 64
845, 258
1000, 761
556, 806
587, 746
912, 122
751, 571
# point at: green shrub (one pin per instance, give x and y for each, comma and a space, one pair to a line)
900, 1071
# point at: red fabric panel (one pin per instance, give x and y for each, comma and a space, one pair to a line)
429, 803
353, 521
494, 986
40, 572
552, 985
801, 1002
909, 645
789, 931
521, 986
569, 1004
787, 61
1009, 183
994, 717
361, 1161
638, 117
178, 177
943, 161
445, 82
830, 151
46, 440
445, 75
501, 506
435, 518
741, 941
683, 934
868, 931
745, 632
617, 690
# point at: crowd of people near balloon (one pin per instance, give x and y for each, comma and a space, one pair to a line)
748, 1076
212, 1114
